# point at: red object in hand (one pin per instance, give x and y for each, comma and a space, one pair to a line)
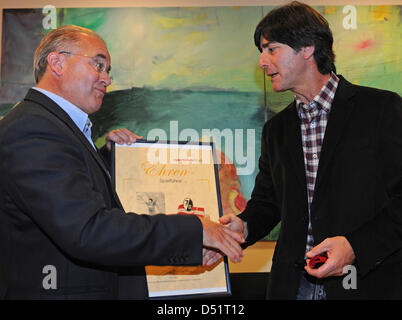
318, 260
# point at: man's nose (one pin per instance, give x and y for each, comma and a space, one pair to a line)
263, 62
106, 79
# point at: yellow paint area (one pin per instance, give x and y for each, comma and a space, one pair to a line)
381, 13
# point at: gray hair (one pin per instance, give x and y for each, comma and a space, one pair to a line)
60, 39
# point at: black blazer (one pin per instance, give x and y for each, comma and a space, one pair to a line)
58, 208
358, 193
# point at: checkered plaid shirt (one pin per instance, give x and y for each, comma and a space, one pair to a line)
314, 118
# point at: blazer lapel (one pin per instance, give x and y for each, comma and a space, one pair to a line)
341, 108
52, 107
294, 143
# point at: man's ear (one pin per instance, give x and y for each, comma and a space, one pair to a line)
308, 52
54, 61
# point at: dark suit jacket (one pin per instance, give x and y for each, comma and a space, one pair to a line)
58, 208
358, 193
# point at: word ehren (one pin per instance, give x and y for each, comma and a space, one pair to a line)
163, 170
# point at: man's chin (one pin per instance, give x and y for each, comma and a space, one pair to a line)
279, 89
94, 108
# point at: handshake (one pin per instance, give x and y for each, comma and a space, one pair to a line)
223, 239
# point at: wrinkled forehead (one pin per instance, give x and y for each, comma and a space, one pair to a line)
92, 46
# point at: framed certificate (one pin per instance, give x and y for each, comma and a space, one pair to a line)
165, 177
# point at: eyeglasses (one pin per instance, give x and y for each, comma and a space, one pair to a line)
97, 62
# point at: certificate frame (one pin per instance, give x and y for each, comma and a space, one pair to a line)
178, 282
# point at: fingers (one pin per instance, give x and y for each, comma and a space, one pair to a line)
329, 269
225, 240
234, 234
233, 222
320, 248
227, 218
326, 270
340, 254
229, 246
210, 257
122, 136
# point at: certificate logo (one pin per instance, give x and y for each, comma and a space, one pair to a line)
187, 208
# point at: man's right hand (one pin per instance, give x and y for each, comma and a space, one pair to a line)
230, 221
235, 223
222, 238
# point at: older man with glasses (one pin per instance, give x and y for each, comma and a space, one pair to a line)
58, 210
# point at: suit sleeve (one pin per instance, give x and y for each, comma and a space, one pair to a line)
52, 183
262, 213
379, 238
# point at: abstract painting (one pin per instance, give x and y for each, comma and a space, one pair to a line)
192, 73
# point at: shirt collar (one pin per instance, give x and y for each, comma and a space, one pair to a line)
323, 100
79, 117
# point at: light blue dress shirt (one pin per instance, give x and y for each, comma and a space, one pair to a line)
79, 117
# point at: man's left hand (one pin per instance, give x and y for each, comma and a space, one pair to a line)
121, 136
340, 254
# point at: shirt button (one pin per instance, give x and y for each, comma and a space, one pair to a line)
315, 156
